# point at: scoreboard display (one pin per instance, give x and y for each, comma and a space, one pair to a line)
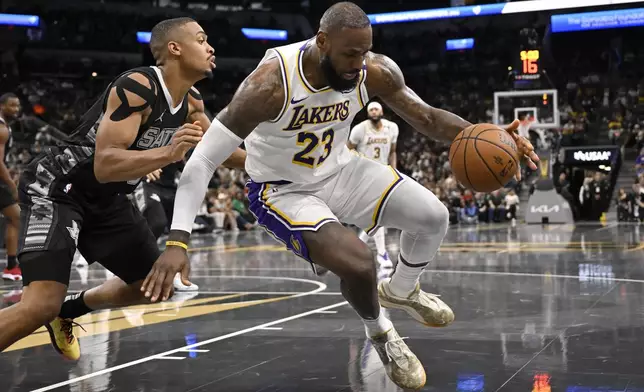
529, 65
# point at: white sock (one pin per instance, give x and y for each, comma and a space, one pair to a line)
378, 326
379, 238
363, 237
405, 278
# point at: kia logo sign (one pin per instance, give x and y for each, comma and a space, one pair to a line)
592, 156
544, 209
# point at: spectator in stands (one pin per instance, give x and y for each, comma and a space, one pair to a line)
496, 207
482, 202
512, 205
623, 206
470, 213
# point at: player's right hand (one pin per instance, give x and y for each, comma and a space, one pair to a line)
159, 282
184, 139
154, 176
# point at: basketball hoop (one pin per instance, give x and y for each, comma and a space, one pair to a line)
524, 126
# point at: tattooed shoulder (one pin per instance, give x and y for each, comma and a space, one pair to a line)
259, 98
383, 75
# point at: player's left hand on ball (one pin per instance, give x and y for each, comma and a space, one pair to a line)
526, 150
159, 282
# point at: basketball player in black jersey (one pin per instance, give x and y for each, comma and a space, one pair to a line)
74, 196
9, 109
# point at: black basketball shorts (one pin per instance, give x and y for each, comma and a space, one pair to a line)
57, 218
6, 198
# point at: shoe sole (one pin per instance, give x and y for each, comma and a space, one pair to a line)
52, 338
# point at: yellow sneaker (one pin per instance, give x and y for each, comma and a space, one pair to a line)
61, 333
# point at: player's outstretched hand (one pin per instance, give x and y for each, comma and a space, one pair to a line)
158, 284
184, 139
154, 176
526, 150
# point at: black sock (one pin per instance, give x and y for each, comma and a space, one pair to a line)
11, 262
74, 306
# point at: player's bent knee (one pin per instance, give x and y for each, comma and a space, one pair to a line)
430, 218
362, 265
41, 311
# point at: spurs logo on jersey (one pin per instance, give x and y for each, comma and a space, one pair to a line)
375, 143
307, 141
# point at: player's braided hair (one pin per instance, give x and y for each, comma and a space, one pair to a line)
162, 34
344, 15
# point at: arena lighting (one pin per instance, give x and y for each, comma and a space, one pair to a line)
459, 44
613, 19
488, 9
19, 20
268, 34
143, 37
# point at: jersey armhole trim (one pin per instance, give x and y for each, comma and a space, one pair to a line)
363, 97
285, 81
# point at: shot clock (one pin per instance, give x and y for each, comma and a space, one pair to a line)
530, 68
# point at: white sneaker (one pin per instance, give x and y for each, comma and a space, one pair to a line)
179, 286
425, 308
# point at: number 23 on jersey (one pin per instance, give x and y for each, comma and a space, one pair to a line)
310, 142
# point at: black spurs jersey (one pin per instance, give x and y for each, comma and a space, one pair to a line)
9, 142
73, 162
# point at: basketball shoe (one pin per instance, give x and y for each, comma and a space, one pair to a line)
179, 286
61, 333
401, 364
14, 274
424, 307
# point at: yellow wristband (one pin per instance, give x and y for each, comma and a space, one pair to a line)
176, 243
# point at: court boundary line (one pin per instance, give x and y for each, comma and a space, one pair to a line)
181, 349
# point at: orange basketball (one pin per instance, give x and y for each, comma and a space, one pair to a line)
484, 157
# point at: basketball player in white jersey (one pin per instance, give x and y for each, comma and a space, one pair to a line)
376, 139
294, 113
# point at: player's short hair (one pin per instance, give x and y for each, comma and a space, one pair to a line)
4, 98
162, 34
344, 15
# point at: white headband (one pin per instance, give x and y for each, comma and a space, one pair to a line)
374, 105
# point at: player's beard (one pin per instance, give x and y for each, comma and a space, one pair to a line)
336, 82
375, 119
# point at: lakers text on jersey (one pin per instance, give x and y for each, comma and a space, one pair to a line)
302, 173
307, 141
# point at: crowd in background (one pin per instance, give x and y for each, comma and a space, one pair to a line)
601, 92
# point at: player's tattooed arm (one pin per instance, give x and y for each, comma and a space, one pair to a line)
259, 98
197, 112
386, 80
128, 106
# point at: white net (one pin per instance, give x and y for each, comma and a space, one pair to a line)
536, 108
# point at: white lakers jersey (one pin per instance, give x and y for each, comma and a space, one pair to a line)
306, 143
375, 143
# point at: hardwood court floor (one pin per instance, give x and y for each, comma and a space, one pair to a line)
554, 308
